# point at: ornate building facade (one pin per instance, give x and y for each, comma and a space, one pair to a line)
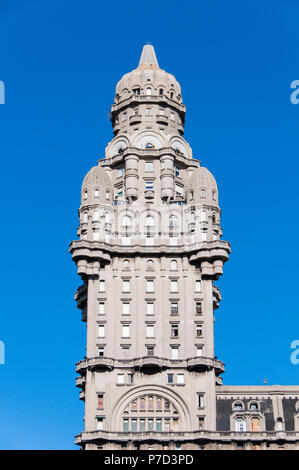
149, 251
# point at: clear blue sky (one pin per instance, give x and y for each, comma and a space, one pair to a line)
60, 62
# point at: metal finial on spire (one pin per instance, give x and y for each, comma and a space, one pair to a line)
148, 55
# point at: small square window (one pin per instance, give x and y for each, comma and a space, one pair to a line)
120, 379
170, 378
180, 379
149, 166
150, 308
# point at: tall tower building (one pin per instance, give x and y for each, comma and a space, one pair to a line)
148, 253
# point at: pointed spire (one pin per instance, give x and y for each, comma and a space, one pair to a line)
148, 55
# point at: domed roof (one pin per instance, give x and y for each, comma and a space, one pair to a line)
96, 178
204, 186
148, 73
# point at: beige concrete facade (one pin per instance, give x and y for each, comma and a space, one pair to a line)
149, 249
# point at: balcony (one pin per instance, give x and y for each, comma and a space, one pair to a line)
162, 119
202, 436
149, 194
201, 364
149, 364
135, 119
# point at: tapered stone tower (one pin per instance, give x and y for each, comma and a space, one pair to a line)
148, 253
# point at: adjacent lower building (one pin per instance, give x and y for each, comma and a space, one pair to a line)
149, 251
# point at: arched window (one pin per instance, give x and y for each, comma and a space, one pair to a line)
173, 220
150, 264
96, 216
167, 405
134, 406
159, 404
171, 95
240, 425
203, 216
126, 264
255, 424
161, 91
85, 194
96, 193
107, 217
150, 403
214, 218
142, 403
238, 406
253, 406
148, 91
126, 221
149, 146
203, 193
214, 195
107, 195
85, 217
149, 221
279, 424
173, 265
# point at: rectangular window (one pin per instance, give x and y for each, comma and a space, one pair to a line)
170, 378
198, 308
149, 185
200, 401
134, 425
150, 424
101, 352
100, 401
150, 286
120, 379
102, 286
126, 331
174, 353
148, 111
101, 308
120, 173
159, 425
150, 350
174, 331
150, 308
199, 352
173, 286
177, 173
197, 286
203, 236
174, 310
149, 166
150, 331
172, 116
130, 378
180, 379
126, 285
142, 425
100, 424
124, 116
198, 331
126, 308
101, 331
126, 425
201, 423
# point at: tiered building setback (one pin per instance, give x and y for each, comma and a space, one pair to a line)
149, 250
